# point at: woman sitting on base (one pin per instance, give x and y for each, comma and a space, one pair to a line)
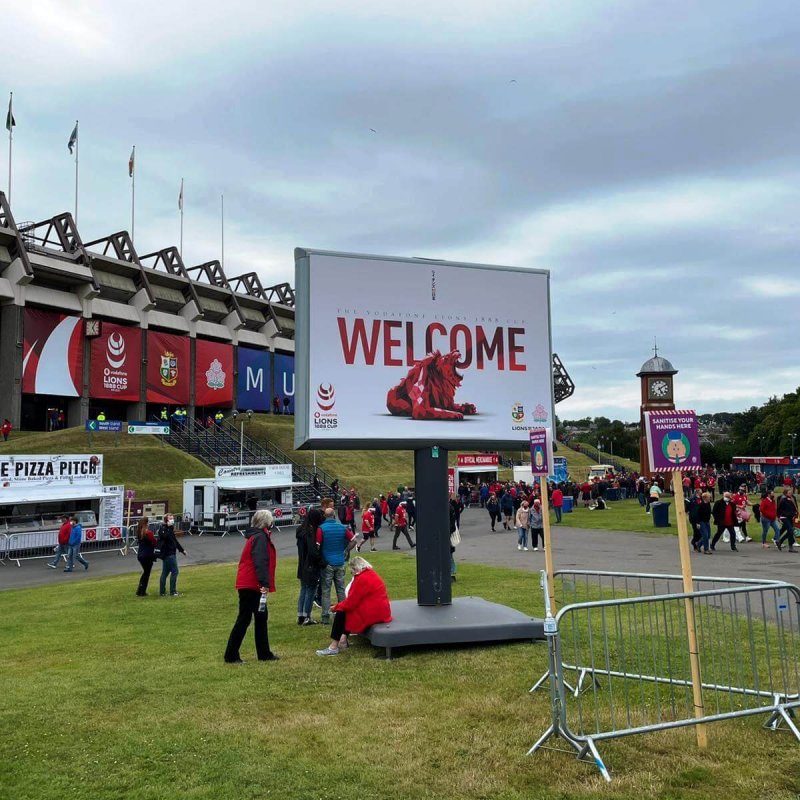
366, 604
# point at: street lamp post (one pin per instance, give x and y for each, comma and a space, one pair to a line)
599, 442
245, 417
761, 445
792, 436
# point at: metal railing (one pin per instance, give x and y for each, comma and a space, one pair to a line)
19, 547
628, 656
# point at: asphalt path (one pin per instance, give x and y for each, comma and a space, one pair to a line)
574, 548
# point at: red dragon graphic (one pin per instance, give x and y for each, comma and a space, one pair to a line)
428, 391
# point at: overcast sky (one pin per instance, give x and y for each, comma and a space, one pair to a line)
648, 154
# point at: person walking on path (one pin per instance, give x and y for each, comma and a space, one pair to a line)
724, 514
75, 539
368, 528
333, 540
769, 518
537, 525
787, 511
146, 554
704, 522
168, 547
493, 507
557, 498
521, 523
309, 564
6, 428
255, 579
507, 508
366, 604
401, 527
62, 548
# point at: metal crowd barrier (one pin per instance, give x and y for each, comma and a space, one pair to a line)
20, 547
628, 658
3, 548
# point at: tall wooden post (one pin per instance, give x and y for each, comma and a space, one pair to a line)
548, 549
688, 586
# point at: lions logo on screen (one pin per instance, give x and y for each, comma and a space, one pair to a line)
169, 369
215, 375
517, 412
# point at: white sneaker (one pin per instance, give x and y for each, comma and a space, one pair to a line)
526, 549
327, 652
519, 547
535, 549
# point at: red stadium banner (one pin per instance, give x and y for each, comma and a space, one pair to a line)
213, 374
116, 363
52, 353
168, 374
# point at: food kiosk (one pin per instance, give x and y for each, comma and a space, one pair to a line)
225, 503
36, 491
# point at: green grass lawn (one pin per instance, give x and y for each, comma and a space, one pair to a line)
106, 695
155, 470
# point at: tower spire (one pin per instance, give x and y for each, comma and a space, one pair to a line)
655, 348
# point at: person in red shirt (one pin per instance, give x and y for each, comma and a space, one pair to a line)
255, 577
724, 515
6, 428
401, 527
62, 548
769, 518
743, 513
366, 604
368, 528
557, 498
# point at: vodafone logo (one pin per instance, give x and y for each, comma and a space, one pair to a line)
115, 351
326, 398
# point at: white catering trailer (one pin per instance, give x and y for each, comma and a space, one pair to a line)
225, 503
36, 491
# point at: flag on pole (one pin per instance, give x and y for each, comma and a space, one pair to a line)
10, 121
131, 162
180, 197
73, 139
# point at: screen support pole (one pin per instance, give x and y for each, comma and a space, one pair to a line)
433, 527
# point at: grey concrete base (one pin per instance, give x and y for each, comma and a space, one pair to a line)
468, 620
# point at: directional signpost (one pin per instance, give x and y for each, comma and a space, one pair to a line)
148, 428
104, 426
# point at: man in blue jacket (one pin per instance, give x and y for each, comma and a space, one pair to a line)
75, 538
334, 541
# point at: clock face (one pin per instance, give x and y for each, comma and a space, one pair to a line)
659, 389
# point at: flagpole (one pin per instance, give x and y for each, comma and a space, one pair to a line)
133, 194
182, 201
77, 145
10, 137
222, 226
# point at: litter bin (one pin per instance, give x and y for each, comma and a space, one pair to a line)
660, 513
567, 507
611, 494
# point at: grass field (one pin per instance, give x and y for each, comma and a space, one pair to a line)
111, 696
155, 470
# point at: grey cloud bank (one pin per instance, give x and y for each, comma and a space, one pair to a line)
647, 154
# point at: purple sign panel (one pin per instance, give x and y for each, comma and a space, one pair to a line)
672, 440
541, 459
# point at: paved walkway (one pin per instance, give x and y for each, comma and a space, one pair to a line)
576, 548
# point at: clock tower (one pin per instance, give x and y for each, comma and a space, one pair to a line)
656, 376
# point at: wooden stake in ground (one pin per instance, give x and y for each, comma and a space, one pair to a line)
128, 523
688, 586
548, 549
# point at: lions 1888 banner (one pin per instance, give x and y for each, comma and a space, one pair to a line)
404, 353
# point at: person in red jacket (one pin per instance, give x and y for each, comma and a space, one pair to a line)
557, 498
6, 428
366, 604
401, 526
255, 577
62, 548
769, 517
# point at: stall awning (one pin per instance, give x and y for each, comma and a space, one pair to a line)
256, 482
54, 495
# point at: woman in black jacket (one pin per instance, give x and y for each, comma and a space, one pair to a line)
146, 553
787, 511
168, 547
703, 516
309, 564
